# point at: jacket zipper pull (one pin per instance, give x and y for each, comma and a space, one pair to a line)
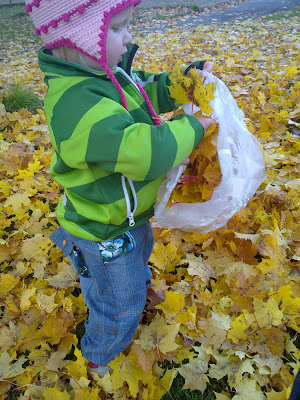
131, 219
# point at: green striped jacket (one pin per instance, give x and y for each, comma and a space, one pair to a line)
96, 141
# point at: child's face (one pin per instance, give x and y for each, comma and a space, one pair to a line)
118, 37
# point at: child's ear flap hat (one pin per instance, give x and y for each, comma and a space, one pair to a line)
79, 24
83, 26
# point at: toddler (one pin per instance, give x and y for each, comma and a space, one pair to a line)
111, 154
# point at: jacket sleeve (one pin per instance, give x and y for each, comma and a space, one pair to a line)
156, 87
109, 139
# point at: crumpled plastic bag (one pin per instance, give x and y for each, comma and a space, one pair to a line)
242, 166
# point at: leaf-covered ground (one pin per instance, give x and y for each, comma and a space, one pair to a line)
223, 316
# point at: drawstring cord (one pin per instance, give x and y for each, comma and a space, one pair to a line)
117, 85
155, 117
65, 199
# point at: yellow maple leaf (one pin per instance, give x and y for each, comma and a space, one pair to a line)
194, 374
163, 384
55, 394
180, 85
27, 377
145, 359
292, 199
53, 329
67, 341
25, 298
225, 365
24, 174
230, 269
165, 257
2, 110
247, 389
289, 305
46, 303
273, 395
273, 362
174, 310
86, 393
237, 330
57, 361
188, 317
9, 336
65, 277
191, 89
198, 267
105, 384
287, 378
18, 201
78, 307
34, 166
158, 335
291, 71
9, 369
77, 368
7, 283
173, 304
32, 246
183, 353
125, 369
267, 313
221, 396
215, 328
266, 342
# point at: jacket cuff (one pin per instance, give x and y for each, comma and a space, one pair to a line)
196, 64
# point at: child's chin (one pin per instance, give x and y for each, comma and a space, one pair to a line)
114, 66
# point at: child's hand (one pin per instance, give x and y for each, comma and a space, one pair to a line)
205, 122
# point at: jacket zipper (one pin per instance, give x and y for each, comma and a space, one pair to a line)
130, 213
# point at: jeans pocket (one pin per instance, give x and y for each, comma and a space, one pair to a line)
114, 248
62, 240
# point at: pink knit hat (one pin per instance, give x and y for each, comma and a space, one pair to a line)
81, 25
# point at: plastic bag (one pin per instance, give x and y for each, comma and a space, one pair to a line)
242, 166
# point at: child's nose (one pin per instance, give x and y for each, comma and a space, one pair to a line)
127, 38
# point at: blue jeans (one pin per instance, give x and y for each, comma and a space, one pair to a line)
114, 291
295, 394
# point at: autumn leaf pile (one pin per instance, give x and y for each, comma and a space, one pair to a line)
203, 173
224, 311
